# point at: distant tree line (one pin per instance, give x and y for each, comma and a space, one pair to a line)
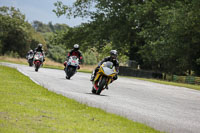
44, 28
17, 36
161, 35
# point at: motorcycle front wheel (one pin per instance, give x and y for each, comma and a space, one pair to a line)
102, 83
30, 62
37, 66
70, 72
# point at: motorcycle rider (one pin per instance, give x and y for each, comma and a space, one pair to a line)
74, 52
112, 58
40, 49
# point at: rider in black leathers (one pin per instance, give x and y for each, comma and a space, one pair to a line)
113, 59
40, 49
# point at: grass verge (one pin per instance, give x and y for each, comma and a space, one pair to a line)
191, 86
27, 107
47, 64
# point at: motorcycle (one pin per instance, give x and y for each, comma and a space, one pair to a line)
103, 77
71, 66
30, 59
38, 60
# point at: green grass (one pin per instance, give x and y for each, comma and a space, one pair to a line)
7, 61
191, 86
27, 107
52, 67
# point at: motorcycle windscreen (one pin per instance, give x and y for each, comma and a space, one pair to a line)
39, 56
108, 64
73, 61
30, 56
108, 71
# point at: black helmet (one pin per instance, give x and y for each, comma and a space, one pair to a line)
76, 47
40, 45
113, 54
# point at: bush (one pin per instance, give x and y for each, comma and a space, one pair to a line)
12, 54
123, 59
89, 57
57, 53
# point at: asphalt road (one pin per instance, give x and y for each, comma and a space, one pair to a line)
163, 107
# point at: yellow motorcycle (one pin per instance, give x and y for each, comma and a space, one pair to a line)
103, 77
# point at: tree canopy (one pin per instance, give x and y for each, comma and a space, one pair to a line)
16, 34
161, 35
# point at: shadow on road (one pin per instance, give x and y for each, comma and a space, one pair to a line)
96, 94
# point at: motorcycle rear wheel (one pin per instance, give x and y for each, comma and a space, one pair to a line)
37, 67
68, 77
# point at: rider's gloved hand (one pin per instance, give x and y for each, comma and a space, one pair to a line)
115, 77
65, 63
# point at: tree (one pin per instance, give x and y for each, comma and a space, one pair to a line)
161, 35
40, 27
170, 43
16, 34
107, 16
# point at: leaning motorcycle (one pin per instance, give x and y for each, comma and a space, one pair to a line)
71, 66
30, 59
38, 60
103, 77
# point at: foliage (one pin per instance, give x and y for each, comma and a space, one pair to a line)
41, 27
52, 34
161, 35
90, 57
170, 41
16, 34
12, 54
57, 53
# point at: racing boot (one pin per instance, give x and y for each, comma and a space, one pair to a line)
93, 76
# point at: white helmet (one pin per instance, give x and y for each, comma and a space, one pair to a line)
39, 45
113, 54
76, 46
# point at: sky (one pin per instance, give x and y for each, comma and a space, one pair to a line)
41, 10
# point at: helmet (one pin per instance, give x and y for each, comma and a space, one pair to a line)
76, 47
31, 51
40, 45
113, 54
